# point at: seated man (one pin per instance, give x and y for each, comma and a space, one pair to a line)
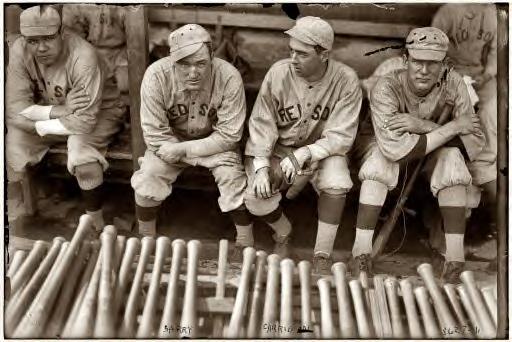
404, 107
55, 92
472, 29
305, 117
192, 113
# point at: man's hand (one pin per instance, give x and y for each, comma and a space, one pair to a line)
407, 123
481, 80
467, 124
302, 155
76, 99
261, 185
23, 123
171, 152
221, 159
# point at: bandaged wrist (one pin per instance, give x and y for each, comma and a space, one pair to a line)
260, 162
53, 126
37, 112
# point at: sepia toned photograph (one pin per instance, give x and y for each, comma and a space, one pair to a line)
256, 171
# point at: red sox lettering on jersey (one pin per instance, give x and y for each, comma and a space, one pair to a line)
289, 111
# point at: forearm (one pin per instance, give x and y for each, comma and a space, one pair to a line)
53, 127
441, 136
205, 147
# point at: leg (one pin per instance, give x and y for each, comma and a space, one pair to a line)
449, 178
152, 184
86, 161
232, 181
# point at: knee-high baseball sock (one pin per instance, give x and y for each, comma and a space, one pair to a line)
452, 203
330, 209
371, 199
93, 201
489, 201
146, 218
278, 221
243, 224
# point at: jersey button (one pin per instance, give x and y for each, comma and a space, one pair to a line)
192, 117
309, 104
193, 103
310, 87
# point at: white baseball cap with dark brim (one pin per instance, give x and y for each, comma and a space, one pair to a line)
427, 43
313, 31
186, 41
39, 21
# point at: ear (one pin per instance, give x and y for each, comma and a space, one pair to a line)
405, 59
324, 55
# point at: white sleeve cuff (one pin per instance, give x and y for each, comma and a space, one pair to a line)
37, 112
318, 152
53, 126
260, 162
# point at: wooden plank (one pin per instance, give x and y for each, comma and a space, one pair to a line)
136, 26
273, 22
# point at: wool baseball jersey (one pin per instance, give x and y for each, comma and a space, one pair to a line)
30, 83
292, 112
392, 94
472, 29
101, 25
213, 116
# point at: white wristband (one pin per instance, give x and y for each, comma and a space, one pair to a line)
37, 112
53, 126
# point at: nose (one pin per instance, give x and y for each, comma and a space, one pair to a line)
293, 56
42, 46
424, 68
193, 71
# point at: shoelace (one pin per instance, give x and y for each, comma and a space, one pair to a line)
363, 263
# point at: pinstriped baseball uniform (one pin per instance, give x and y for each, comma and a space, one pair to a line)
214, 118
290, 113
29, 83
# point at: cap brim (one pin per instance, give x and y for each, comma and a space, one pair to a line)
427, 55
185, 51
298, 34
33, 31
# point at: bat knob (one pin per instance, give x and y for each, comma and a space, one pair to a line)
339, 267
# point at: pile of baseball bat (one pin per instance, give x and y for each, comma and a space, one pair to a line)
152, 288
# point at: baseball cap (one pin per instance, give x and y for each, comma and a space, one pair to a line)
39, 21
427, 43
186, 40
313, 31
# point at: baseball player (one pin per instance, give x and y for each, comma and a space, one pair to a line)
404, 107
472, 29
303, 123
192, 113
102, 26
56, 92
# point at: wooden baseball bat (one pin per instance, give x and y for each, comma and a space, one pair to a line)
189, 313
394, 307
347, 324
257, 297
286, 317
492, 305
169, 313
327, 325
429, 320
380, 294
81, 289
26, 270
17, 260
19, 303
305, 298
147, 324
413, 320
451, 293
271, 296
487, 325
470, 310
83, 324
446, 319
120, 245
64, 301
218, 321
34, 321
127, 329
242, 293
363, 325
125, 271
104, 326
375, 313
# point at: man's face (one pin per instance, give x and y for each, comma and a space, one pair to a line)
45, 49
193, 70
305, 59
423, 74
